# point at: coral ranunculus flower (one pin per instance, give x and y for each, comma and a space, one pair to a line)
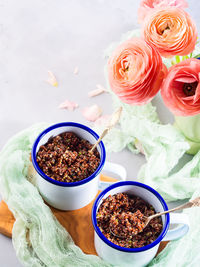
147, 6
135, 72
181, 88
171, 31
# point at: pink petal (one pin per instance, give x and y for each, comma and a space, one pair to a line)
147, 6
139, 146
103, 120
68, 105
197, 95
92, 113
174, 97
52, 79
100, 90
76, 70
186, 79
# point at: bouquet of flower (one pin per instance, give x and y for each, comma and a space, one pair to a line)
137, 69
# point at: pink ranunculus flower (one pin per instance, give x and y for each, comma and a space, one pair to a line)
171, 31
146, 6
135, 71
181, 88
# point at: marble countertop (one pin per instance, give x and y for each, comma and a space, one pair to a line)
41, 35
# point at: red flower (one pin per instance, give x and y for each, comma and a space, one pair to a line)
181, 89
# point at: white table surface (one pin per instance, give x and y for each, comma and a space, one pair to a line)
41, 35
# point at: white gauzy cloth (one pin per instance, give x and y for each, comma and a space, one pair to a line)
38, 238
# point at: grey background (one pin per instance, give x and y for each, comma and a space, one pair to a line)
41, 35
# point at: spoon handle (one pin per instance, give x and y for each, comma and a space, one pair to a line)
193, 203
99, 140
113, 121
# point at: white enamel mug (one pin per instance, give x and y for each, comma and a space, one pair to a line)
72, 196
137, 257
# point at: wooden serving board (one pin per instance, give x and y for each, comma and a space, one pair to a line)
78, 223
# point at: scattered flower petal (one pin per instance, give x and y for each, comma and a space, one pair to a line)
103, 120
100, 90
52, 79
99, 86
76, 70
92, 113
139, 146
95, 92
68, 105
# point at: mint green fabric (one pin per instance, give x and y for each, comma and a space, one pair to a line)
189, 127
184, 252
38, 238
164, 146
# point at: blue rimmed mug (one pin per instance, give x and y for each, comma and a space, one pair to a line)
75, 195
137, 257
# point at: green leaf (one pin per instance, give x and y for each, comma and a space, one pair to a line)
177, 59
184, 57
197, 56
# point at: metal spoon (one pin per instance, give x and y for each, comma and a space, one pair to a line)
192, 203
113, 121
